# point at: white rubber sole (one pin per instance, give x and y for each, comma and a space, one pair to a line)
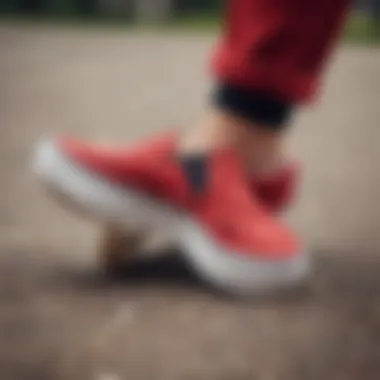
114, 205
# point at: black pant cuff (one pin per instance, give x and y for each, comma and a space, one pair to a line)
261, 109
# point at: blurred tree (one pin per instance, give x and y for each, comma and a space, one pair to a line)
153, 10
86, 7
197, 6
61, 7
371, 10
115, 8
374, 8
30, 6
7, 6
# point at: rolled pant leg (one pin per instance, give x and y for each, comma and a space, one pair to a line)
277, 49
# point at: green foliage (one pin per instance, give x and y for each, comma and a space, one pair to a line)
49, 7
61, 7
6, 6
194, 15
197, 6
363, 28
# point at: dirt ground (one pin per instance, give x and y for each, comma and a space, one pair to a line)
61, 319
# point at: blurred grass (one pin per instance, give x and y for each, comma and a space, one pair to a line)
360, 28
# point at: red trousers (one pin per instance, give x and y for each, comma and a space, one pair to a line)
279, 46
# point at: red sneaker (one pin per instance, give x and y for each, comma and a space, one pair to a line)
226, 235
276, 191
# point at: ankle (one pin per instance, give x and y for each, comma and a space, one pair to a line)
260, 149
214, 132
